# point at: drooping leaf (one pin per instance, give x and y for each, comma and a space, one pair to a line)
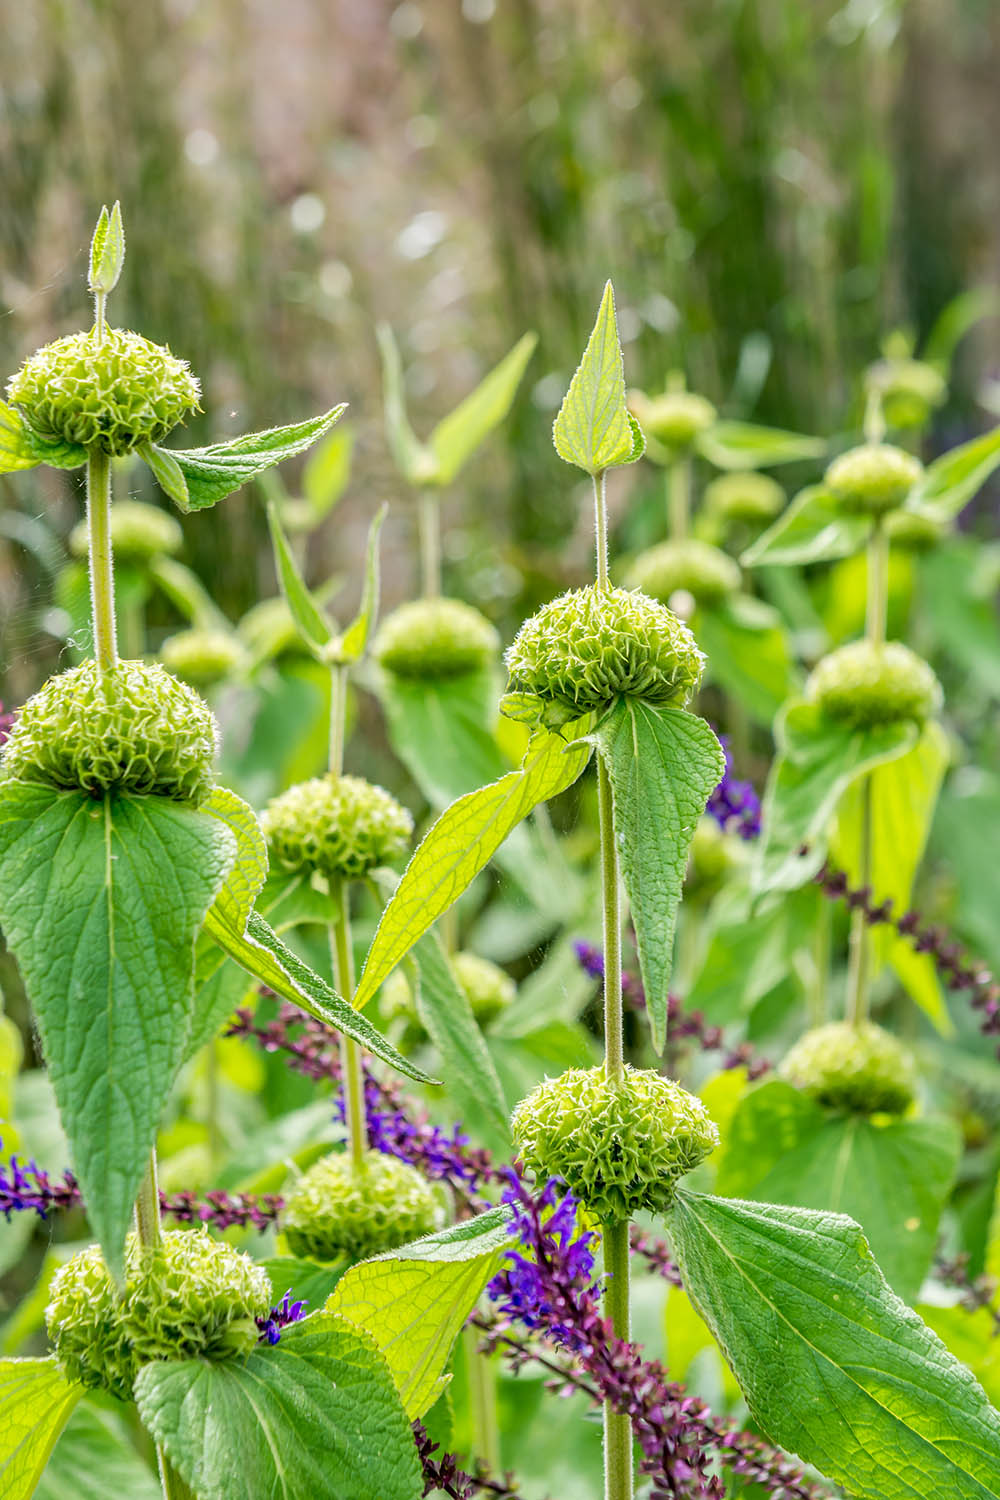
414, 461
95, 1457
892, 1176
459, 845
811, 530
312, 624
316, 1415
663, 764
458, 435
446, 1016
593, 429
353, 641
101, 903
35, 1402
167, 472
833, 1365
415, 1300
107, 251
818, 759
22, 448
745, 445
212, 473
951, 481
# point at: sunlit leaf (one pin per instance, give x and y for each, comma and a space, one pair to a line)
593, 429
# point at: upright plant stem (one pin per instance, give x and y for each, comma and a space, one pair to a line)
601, 529
679, 498
877, 604
354, 1078
614, 1053
481, 1374
102, 580
429, 523
147, 1207
338, 715
618, 1481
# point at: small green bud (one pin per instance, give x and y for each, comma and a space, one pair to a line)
189, 1297
133, 728
138, 532
339, 826
910, 390
675, 418
860, 1069
864, 684
335, 1211
705, 572
107, 251
872, 479
435, 638
488, 988
114, 395
202, 657
745, 496
621, 1148
914, 531
590, 646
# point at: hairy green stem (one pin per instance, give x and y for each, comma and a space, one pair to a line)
618, 1481
877, 604
614, 1052
429, 523
338, 718
343, 974
679, 497
874, 422
601, 528
859, 954
147, 1207
481, 1374
102, 578
100, 321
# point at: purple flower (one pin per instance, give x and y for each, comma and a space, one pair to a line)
28, 1188
734, 804
279, 1317
546, 1227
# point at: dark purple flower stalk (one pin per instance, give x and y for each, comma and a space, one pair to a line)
279, 1317
520, 1289
446, 1477
734, 804
29, 1188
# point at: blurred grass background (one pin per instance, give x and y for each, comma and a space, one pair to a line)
773, 185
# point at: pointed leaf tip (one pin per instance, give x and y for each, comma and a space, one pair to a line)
593, 429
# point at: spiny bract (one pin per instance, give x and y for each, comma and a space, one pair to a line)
133, 728
675, 418
114, 394
138, 532
190, 1297
590, 646
336, 825
860, 1069
745, 496
203, 657
435, 638
872, 479
705, 572
864, 683
620, 1148
337, 1211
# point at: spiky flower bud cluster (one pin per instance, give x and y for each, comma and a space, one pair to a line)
675, 418
114, 394
138, 532
337, 1211
431, 639
872, 479
132, 728
338, 826
620, 1148
189, 1297
864, 684
590, 646
202, 657
745, 496
860, 1069
705, 572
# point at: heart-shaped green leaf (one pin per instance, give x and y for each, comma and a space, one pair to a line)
593, 429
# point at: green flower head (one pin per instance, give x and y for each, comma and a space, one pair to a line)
864, 684
745, 496
337, 1212
588, 647
620, 1148
138, 533
488, 988
203, 657
705, 572
675, 418
132, 728
338, 826
872, 479
434, 639
857, 1069
910, 388
114, 394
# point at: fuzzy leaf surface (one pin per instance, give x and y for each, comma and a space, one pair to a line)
316, 1415
101, 902
214, 472
459, 845
415, 1300
663, 763
22, 448
745, 445
107, 251
35, 1402
593, 429
811, 530
458, 435
833, 1365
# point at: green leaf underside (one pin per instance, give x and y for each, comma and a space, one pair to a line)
663, 764
811, 530
311, 623
414, 461
216, 471
593, 429
415, 1300
459, 845
101, 902
833, 1365
817, 761
23, 448
315, 1416
744, 445
354, 641
457, 436
892, 1177
35, 1403
446, 1016
951, 481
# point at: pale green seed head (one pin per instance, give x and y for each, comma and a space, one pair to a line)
434, 639
339, 826
745, 496
488, 988
620, 1148
705, 572
675, 418
587, 648
191, 1297
858, 1069
872, 479
114, 395
337, 1212
203, 657
138, 533
134, 728
865, 684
